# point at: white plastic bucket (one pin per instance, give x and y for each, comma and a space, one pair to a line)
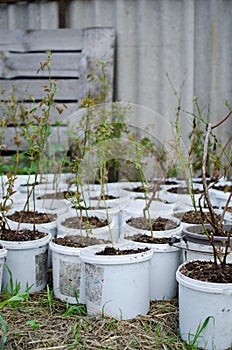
66, 271
120, 199
129, 229
3, 254
49, 226
101, 232
28, 263
199, 300
164, 263
115, 216
116, 285
157, 208
196, 251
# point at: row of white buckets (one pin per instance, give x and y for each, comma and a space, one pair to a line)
119, 286
123, 289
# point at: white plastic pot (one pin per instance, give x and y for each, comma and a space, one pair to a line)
183, 200
195, 251
129, 229
3, 254
196, 246
116, 285
219, 197
101, 232
66, 272
114, 212
156, 208
164, 263
28, 263
199, 300
49, 226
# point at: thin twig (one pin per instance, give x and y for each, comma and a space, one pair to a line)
222, 121
204, 181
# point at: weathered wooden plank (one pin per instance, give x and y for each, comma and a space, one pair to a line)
70, 67
68, 89
56, 116
41, 40
15, 64
59, 137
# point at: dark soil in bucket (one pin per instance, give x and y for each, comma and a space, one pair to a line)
113, 251
84, 222
96, 207
57, 195
195, 217
149, 239
224, 233
142, 189
78, 241
159, 224
32, 217
21, 235
183, 190
170, 182
208, 271
223, 188
105, 197
31, 184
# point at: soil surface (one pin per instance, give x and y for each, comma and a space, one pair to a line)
84, 222
113, 251
223, 233
208, 271
159, 224
31, 184
106, 197
32, 217
223, 188
195, 217
183, 190
170, 182
142, 189
21, 235
78, 241
57, 195
149, 239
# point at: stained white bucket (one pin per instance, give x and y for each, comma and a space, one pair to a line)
3, 254
28, 263
116, 285
66, 271
199, 300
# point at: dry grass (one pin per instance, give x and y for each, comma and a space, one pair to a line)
42, 323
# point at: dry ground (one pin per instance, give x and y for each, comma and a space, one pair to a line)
43, 322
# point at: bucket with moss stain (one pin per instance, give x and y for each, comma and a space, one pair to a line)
67, 275
3, 254
26, 263
117, 285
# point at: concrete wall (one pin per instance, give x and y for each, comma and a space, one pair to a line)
160, 43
